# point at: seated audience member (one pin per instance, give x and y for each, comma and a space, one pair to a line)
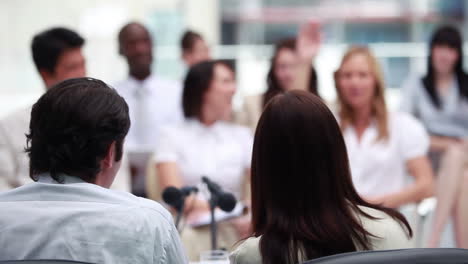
57, 54
304, 205
440, 101
75, 146
206, 145
291, 68
383, 146
153, 101
194, 48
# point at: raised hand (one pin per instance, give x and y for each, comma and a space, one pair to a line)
309, 40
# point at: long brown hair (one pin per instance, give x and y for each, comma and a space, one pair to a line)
273, 86
379, 109
304, 204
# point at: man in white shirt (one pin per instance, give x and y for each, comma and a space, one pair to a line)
58, 56
75, 146
153, 101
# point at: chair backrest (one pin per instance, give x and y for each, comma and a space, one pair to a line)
401, 256
43, 261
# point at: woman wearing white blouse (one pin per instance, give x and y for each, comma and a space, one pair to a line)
304, 205
383, 146
204, 144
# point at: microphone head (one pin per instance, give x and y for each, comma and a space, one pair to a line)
186, 191
227, 202
172, 196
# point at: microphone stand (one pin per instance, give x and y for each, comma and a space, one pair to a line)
180, 212
213, 227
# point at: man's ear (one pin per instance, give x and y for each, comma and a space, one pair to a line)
183, 55
109, 159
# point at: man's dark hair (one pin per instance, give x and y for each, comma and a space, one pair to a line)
188, 40
48, 45
72, 127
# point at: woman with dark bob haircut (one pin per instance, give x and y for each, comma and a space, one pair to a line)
204, 144
304, 205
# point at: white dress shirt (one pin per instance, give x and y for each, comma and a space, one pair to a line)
222, 152
85, 222
153, 102
14, 162
379, 168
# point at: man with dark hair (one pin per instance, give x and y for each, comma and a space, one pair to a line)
75, 146
194, 48
153, 101
57, 55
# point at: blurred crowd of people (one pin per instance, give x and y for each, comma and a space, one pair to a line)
313, 162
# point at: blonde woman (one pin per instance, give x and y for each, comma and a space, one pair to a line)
383, 146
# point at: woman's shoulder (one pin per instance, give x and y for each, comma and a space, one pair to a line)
403, 120
387, 232
413, 81
179, 130
248, 252
236, 129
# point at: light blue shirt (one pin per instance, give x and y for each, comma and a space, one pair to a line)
450, 120
85, 222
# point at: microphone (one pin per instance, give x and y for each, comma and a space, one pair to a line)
176, 197
225, 201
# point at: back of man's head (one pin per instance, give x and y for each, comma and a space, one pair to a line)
74, 127
49, 49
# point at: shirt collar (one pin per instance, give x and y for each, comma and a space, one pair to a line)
141, 86
67, 179
215, 128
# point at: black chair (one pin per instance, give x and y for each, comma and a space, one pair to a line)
401, 256
43, 261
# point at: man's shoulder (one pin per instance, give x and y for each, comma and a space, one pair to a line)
19, 116
125, 199
86, 194
154, 207
122, 85
166, 86
157, 80
14, 126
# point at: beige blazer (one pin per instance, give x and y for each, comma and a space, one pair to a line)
389, 234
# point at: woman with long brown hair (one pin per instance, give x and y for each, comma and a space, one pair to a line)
383, 146
291, 69
304, 204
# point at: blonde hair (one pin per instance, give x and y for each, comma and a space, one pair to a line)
378, 108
